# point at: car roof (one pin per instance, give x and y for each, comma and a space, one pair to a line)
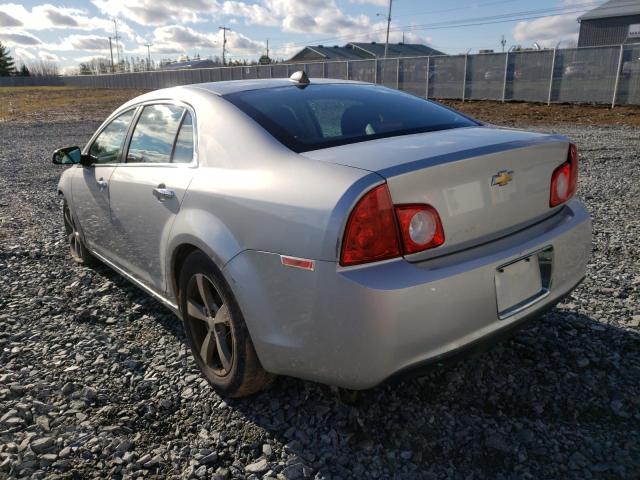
233, 86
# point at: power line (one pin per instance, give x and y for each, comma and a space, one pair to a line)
435, 12
474, 21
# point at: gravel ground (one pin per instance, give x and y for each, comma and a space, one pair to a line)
96, 380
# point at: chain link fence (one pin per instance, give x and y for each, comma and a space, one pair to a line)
609, 75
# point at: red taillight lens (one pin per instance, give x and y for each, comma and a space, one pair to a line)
564, 180
371, 233
420, 227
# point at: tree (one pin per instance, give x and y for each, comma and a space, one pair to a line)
6, 62
24, 71
43, 68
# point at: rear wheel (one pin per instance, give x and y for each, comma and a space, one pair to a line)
77, 249
216, 331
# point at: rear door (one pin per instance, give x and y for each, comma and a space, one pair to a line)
147, 190
90, 187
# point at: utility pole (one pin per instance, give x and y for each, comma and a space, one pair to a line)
503, 42
267, 48
111, 50
115, 26
386, 45
224, 43
148, 45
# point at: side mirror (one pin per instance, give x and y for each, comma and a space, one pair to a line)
67, 156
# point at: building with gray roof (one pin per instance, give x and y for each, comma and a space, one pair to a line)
612, 23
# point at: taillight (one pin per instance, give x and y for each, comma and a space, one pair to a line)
371, 233
564, 180
420, 227
376, 230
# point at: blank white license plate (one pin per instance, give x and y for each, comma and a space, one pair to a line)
517, 283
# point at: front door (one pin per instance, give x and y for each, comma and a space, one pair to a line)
147, 190
90, 186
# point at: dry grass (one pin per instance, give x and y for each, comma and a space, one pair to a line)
47, 104
522, 114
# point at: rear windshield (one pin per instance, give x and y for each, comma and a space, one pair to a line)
321, 116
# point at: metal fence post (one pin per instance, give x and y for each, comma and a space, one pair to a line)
426, 91
615, 86
506, 69
324, 69
375, 70
553, 67
348, 71
398, 73
464, 78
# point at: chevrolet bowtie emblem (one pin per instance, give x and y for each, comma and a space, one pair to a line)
502, 178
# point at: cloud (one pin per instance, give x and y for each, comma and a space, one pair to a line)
241, 44
23, 54
19, 38
46, 16
549, 31
254, 13
182, 38
379, 3
159, 12
172, 39
59, 18
87, 42
49, 57
7, 20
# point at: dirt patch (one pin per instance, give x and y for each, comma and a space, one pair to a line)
51, 104
518, 113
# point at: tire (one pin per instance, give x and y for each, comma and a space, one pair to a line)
216, 331
77, 248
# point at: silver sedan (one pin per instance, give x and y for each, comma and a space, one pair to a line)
335, 231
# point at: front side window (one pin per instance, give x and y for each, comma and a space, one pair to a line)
155, 133
322, 116
107, 146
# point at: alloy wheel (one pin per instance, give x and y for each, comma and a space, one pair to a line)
210, 324
73, 236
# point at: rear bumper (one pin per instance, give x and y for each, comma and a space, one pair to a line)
355, 327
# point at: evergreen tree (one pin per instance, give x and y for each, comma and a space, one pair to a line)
6, 62
24, 71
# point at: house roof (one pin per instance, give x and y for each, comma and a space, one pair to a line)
330, 53
359, 51
613, 8
397, 49
205, 63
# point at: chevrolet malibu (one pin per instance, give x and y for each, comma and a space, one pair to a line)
334, 231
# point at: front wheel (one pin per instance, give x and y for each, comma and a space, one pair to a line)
216, 332
77, 249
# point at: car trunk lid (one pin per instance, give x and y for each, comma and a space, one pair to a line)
484, 182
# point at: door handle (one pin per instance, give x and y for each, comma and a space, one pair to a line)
102, 184
161, 192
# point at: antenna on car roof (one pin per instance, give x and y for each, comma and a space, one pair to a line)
300, 77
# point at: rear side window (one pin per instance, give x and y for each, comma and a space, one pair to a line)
321, 116
107, 146
183, 151
155, 133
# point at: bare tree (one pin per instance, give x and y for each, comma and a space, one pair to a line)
43, 68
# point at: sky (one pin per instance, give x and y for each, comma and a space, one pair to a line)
73, 31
